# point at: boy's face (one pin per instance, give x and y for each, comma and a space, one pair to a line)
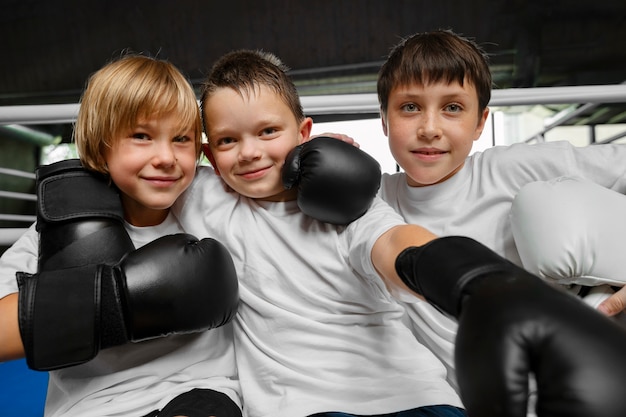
431, 129
152, 165
249, 137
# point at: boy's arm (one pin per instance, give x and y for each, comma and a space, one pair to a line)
512, 325
21, 256
119, 294
387, 248
11, 346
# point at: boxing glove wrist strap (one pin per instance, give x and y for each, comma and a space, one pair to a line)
91, 196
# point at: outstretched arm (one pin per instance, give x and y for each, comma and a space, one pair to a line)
512, 325
387, 248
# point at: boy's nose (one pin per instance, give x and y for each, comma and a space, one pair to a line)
430, 127
248, 150
164, 155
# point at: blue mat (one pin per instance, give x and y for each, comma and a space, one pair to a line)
22, 391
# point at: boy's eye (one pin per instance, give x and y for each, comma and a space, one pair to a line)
410, 107
268, 131
142, 136
454, 108
182, 138
224, 141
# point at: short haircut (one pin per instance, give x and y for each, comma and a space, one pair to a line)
244, 71
432, 57
122, 92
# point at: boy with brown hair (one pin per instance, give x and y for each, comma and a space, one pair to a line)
317, 332
433, 91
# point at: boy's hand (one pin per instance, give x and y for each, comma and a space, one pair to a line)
615, 304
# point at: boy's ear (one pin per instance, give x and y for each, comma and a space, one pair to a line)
383, 120
206, 150
481, 123
305, 130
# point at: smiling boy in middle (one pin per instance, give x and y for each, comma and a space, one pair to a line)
317, 330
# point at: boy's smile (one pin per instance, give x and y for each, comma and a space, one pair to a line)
431, 129
253, 174
250, 133
429, 154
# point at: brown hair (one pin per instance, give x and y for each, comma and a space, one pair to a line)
125, 90
246, 70
432, 57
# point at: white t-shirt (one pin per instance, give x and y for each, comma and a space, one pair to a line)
316, 329
476, 202
137, 378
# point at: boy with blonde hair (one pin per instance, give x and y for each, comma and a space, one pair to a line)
124, 332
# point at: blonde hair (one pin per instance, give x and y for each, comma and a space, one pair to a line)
124, 91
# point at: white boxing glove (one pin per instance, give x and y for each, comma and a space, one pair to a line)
571, 231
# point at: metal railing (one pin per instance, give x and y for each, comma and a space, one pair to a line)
355, 103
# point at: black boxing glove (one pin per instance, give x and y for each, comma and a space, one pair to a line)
175, 284
512, 324
80, 224
77, 211
79, 302
336, 181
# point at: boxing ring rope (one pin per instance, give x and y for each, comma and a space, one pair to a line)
341, 104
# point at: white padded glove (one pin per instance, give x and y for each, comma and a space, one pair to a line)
571, 231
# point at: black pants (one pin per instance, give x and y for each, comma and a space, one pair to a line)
199, 403
428, 411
